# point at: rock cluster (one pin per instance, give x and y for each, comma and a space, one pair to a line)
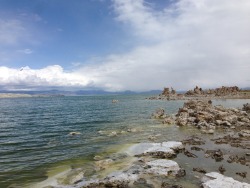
222, 91
203, 115
166, 92
135, 174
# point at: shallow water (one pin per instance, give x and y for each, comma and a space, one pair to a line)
34, 132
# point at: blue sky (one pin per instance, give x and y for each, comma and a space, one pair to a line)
123, 44
63, 31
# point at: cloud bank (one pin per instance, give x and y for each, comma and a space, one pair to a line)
51, 76
187, 43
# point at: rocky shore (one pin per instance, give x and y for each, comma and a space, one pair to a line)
223, 92
170, 164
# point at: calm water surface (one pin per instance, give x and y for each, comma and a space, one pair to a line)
34, 132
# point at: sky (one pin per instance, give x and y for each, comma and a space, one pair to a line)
118, 45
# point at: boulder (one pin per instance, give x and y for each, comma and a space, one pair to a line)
246, 107
244, 133
217, 180
159, 113
164, 149
162, 167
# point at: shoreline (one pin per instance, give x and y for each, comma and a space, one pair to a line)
106, 161
201, 149
19, 95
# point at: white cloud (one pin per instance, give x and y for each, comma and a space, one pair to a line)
188, 43
51, 76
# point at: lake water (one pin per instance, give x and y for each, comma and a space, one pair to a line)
35, 140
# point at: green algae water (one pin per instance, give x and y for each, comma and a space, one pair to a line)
34, 132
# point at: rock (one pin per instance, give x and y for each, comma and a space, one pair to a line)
189, 154
194, 140
162, 167
103, 164
242, 174
201, 170
216, 180
115, 101
168, 120
97, 158
167, 185
221, 169
159, 113
118, 156
72, 177
226, 123
113, 133
196, 148
245, 120
244, 133
219, 122
133, 130
102, 132
151, 137
74, 133
181, 173
181, 121
210, 131
246, 107
120, 178
215, 154
142, 183
242, 160
163, 150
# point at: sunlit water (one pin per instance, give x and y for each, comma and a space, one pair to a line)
35, 140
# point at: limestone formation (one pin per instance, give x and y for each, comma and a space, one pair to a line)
224, 92
216, 180
246, 107
160, 150
203, 115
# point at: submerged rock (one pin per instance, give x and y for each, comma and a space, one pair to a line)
189, 154
216, 180
74, 133
72, 177
167, 185
113, 133
103, 164
242, 174
159, 113
201, 170
193, 140
215, 154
